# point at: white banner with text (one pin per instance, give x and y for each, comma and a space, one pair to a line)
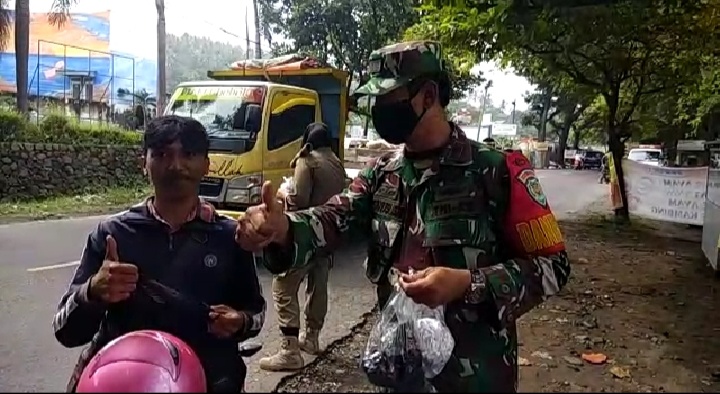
666, 193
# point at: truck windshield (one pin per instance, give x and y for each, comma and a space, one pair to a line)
216, 107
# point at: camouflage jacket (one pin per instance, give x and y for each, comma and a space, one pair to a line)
472, 206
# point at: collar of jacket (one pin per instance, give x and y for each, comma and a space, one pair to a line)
457, 152
205, 218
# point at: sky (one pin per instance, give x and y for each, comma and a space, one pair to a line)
133, 26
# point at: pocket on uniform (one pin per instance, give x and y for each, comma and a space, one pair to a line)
472, 232
384, 235
384, 232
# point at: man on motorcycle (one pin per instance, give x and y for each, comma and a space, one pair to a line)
604, 168
169, 264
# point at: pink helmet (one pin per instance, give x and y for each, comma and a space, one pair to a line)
144, 362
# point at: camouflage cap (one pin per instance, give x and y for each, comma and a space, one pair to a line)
395, 65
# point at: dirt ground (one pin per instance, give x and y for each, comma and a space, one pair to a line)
648, 303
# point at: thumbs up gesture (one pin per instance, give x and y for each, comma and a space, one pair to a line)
263, 224
114, 281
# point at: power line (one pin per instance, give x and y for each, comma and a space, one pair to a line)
226, 31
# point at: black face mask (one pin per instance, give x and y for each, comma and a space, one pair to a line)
395, 122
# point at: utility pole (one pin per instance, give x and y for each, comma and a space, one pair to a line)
258, 36
247, 36
513, 112
488, 85
161, 69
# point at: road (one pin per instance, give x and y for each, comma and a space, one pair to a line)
36, 262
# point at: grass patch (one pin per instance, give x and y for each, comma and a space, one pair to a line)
109, 201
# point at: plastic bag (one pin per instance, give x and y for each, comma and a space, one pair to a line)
288, 185
409, 345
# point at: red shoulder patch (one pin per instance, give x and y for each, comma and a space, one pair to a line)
529, 223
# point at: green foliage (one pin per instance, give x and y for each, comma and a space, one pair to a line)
59, 129
460, 60
590, 128
189, 58
14, 127
654, 65
5, 22
344, 32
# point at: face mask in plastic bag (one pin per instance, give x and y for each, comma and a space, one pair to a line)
409, 345
288, 185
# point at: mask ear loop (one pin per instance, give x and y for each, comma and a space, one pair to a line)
416, 89
436, 91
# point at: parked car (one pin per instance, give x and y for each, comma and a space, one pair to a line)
649, 156
588, 158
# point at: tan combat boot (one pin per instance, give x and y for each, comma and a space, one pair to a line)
288, 358
309, 341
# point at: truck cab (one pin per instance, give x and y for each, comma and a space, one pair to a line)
255, 122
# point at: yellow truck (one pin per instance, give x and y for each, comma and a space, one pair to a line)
256, 117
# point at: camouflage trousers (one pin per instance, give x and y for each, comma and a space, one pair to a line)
285, 289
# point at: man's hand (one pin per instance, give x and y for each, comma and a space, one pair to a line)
115, 281
226, 321
263, 224
436, 286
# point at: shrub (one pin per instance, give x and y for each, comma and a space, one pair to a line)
14, 127
59, 129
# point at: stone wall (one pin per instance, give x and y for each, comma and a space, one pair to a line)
41, 170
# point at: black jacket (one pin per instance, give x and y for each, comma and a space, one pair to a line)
201, 260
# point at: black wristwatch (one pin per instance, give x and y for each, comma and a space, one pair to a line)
477, 291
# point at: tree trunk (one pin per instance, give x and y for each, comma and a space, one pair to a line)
22, 52
576, 139
161, 76
564, 134
617, 147
258, 30
547, 99
562, 144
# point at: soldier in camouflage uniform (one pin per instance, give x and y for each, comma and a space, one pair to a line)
472, 222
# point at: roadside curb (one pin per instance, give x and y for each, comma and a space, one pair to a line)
328, 349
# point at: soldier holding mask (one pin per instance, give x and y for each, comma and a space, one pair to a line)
472, 222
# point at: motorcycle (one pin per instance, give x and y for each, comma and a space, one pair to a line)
247, 350
152, 294
194, 307
604, 175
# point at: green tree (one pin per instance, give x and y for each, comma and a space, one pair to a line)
268, 20
460, 59
541, 110
344, 32
619, 50
5, 22
191, 57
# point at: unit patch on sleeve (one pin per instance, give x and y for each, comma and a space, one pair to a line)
532, 184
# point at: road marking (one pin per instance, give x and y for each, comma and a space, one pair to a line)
55, 266
52, 221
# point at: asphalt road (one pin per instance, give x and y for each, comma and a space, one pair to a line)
36, 263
